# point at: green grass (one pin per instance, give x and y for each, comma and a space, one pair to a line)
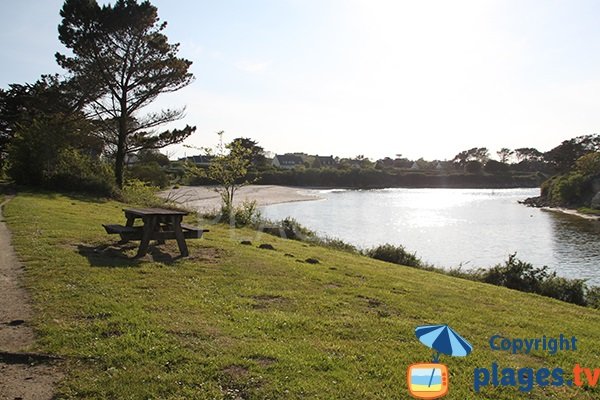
587, 210
237, 322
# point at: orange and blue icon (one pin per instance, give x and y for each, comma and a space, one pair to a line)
430, 380
427, 380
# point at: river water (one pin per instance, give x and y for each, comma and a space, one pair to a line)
454, 227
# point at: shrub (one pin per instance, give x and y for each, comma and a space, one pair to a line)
138, 193
394, 254
75, 171
569, 290
151, 173
246, 214
288, 228
515, 274
333, 243
592, 297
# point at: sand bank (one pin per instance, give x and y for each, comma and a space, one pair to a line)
570, 211
204, 198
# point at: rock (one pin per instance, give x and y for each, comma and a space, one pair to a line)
266, 246
312, 261
289, 255
595, 203
246, 242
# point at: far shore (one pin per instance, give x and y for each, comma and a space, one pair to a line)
205, 198
570, 211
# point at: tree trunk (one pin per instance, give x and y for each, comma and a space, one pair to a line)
120, 157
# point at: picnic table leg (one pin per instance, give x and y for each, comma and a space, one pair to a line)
129, 223
158, 228
149, 224
179, 235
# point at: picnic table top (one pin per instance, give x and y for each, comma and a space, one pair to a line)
145, 212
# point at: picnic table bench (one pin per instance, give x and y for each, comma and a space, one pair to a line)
158, 224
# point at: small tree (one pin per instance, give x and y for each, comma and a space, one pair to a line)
229, 170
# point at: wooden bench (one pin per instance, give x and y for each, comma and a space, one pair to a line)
135, 232
126, 232
192, 232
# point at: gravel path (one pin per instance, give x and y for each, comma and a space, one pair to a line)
23, 376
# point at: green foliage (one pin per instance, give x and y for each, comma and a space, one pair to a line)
480, 154
244, 215
588, 210
568, 189
252, 152
569, 290
496, 167
565, 155
332, 243
146, 156
44, 154
589, 164
121, 61
287, 228
505, 154
138, 193
47, 141
228, 169
385, 178
394, 254
151, 173
523, 276
516, 274
592, 297
76, 171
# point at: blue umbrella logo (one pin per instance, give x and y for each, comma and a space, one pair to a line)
443, 340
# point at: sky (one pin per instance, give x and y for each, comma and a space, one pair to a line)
362, 77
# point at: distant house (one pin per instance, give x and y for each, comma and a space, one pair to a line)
354, 164
415, 166
287, 161
327, 161
199, 160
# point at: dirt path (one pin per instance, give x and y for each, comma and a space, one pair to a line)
23, 375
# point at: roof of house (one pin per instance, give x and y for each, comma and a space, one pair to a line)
199, 159
289, 159
327, 159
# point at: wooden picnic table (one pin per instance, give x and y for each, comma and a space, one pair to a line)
158, 224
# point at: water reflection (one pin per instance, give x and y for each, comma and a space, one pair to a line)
451, 227
577, 249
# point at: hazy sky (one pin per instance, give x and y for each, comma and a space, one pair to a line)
374, 77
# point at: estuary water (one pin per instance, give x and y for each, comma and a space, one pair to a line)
454, 227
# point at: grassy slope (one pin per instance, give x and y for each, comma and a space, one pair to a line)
236, 321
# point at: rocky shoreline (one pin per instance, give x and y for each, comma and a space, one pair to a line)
542, 203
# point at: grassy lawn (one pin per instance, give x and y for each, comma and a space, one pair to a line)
237, 322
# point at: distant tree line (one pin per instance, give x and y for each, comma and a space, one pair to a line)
576, 182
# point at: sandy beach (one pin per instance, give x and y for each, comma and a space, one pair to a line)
573, 212
204, 198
